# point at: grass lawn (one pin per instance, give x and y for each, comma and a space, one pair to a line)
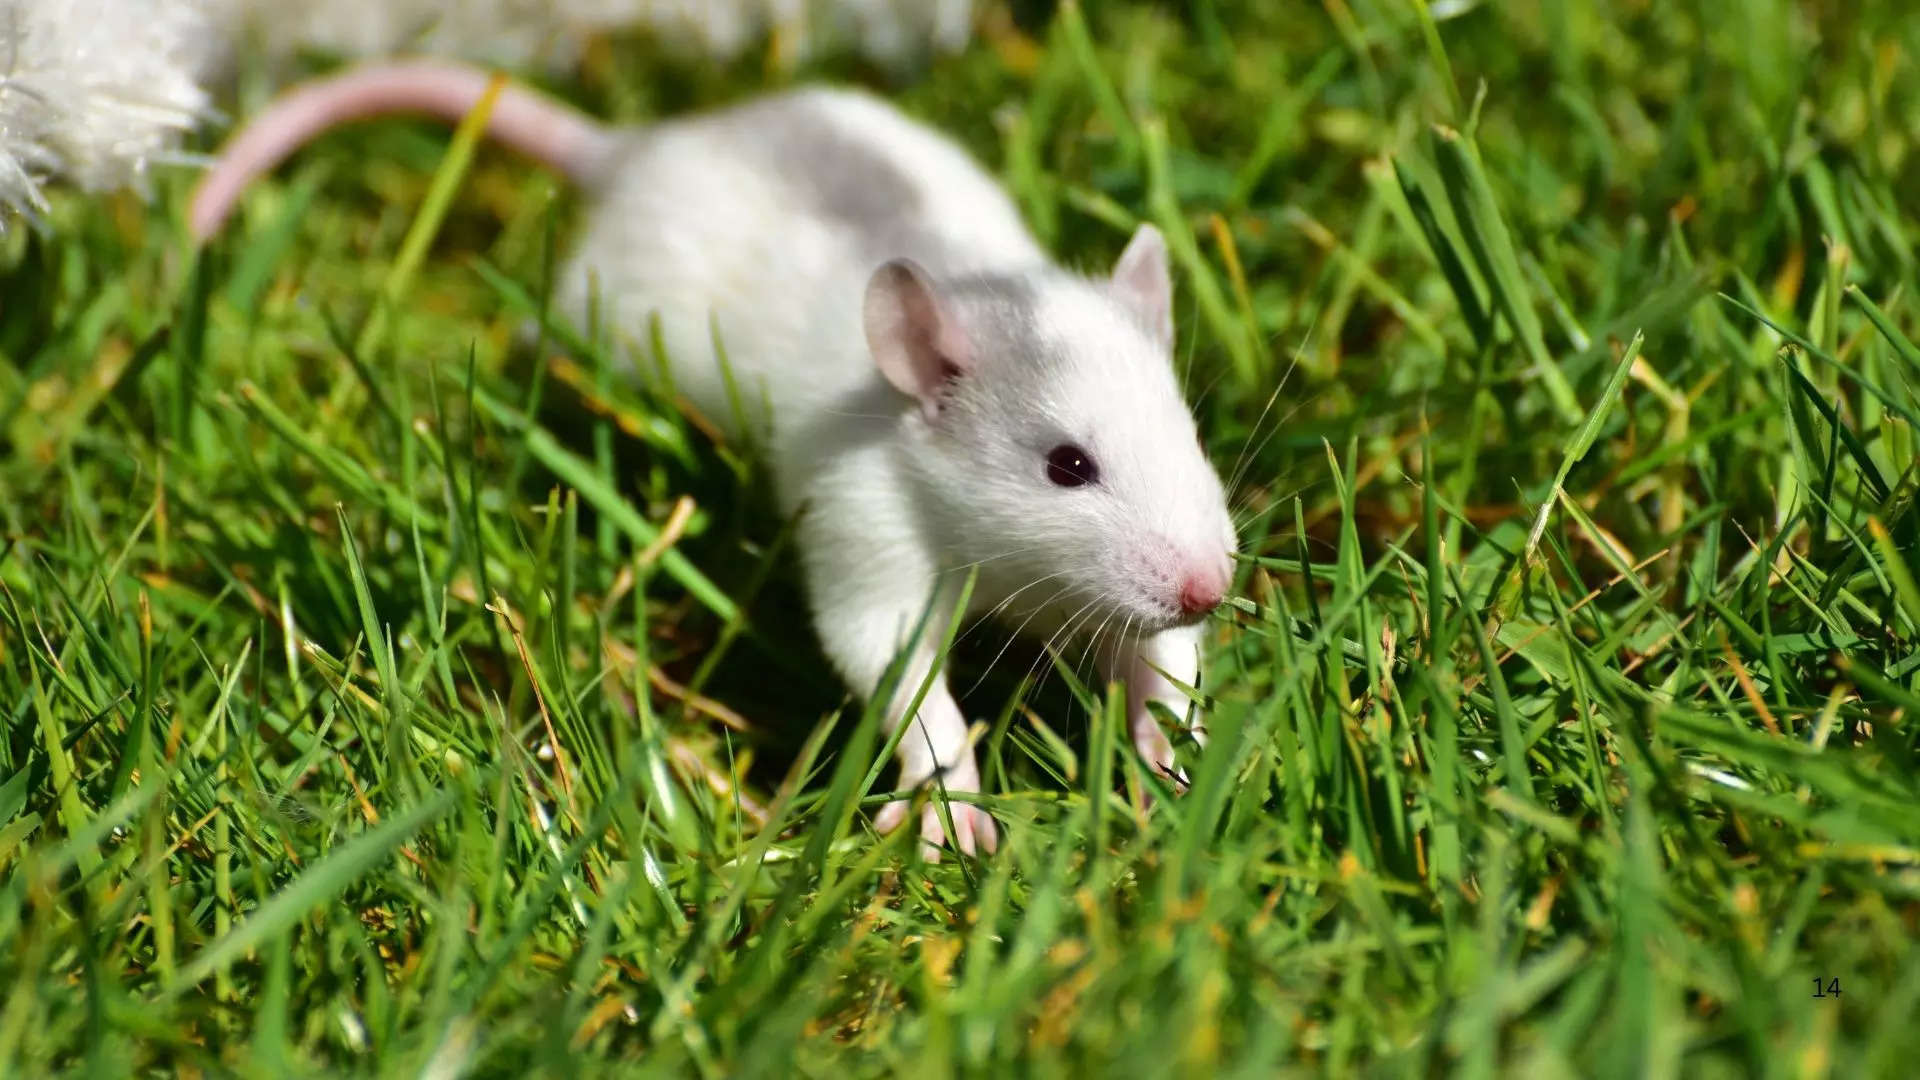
384, 697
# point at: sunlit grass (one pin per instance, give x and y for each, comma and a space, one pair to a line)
382, 696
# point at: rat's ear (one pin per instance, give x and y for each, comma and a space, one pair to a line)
1141, 281
913, 337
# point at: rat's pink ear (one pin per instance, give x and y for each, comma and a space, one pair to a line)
1141, 281
914, 339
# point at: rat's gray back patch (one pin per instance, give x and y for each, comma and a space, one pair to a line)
842, 177
848, 179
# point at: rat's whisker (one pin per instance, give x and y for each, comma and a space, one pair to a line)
975, 623
1004, 645
995, 611
992, 558
1239, 461
1047, 646
1285, 377
1245, 515
1212, 384
1126, 677
1091, 641
1096, 643
1104, 651
1065, 631
1250, 453
1070, 629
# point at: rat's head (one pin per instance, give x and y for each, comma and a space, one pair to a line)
1051, 443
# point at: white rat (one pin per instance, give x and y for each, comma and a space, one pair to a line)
935, 392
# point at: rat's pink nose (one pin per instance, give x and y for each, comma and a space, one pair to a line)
1201, 591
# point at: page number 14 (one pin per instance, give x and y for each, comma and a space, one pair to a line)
1825, 988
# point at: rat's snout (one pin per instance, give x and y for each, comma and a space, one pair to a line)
1202, 588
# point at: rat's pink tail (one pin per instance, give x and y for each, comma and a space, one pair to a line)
544, 129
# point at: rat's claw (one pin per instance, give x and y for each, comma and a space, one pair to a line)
962, 829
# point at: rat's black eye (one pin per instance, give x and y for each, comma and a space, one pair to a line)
1069, 466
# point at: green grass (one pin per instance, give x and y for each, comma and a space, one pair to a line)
380, 699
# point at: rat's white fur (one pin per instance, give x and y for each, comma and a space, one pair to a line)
843, 254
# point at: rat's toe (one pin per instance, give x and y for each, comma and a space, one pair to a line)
986, 831
933, 835
890, 817
963, 829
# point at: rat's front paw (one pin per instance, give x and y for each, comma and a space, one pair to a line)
973, 827
1157, 750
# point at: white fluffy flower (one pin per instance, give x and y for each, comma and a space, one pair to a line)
95, 91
